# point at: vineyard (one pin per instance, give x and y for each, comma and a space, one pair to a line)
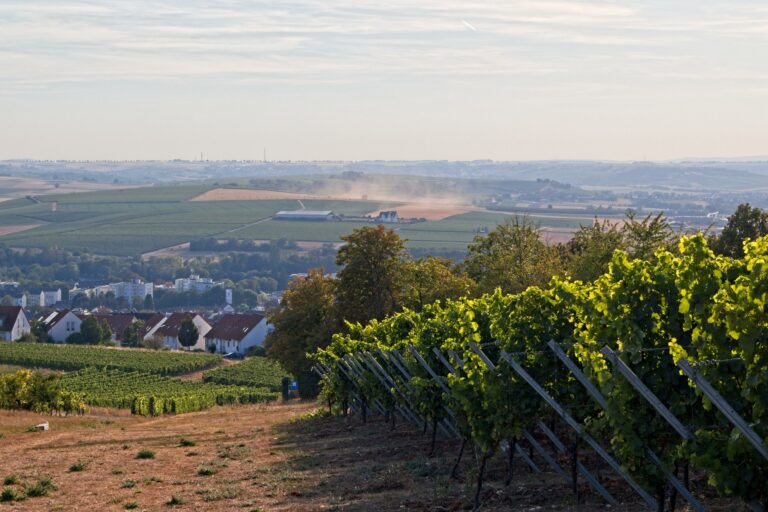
254, 371
658, 370
73, 358
149, 394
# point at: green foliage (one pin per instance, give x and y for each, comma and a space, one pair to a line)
188, 333
368, 285
153, 395
11, 494
675, 302
39, 393
746, 223
174, 501
512, 257
92, 332
69, 358
186, 442
80, 465
131, 505
145, 454
257, 372
304, 322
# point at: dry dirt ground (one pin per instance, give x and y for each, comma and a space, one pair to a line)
263, 458
18, 228
429, 210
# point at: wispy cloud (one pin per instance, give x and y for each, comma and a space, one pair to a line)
54, 41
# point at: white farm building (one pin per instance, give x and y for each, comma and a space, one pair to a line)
305, 215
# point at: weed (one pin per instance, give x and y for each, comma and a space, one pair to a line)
131, 505
10, 480
206, 471
128, 484
10, 494
126, 446
235, 452
228, 493
192, 454
80, 465
117, 471
40, 488
186, 442
175, 500
151, 480
145, 454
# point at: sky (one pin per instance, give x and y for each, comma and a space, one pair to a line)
398, 79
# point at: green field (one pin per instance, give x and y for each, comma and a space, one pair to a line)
134, 221
75, 357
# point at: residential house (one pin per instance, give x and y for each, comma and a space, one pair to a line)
387, 216
169, 330
237, 333
152, 323
117, 322
60, 324
13, 323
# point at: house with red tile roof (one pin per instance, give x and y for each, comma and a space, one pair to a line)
237, 333
169, 330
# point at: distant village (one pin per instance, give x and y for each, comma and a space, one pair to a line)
220, 330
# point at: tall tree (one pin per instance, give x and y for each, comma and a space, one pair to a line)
431, 279
304, 321
188, 333
91, 332
512, 257
368, 285
745, 223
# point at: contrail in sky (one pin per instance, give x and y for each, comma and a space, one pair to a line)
469, 25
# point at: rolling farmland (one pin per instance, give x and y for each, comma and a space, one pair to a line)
136, 221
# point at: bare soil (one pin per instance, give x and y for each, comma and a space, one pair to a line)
275, 458
17, 228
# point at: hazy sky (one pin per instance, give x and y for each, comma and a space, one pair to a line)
401, 79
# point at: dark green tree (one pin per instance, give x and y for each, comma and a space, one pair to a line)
188, 333
132, 334
745, 223
590, 250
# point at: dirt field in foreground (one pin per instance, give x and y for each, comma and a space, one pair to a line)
270, 458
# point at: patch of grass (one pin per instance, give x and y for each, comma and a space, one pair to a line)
152, 480
128, 484
117, 471
10, 494
192, 454
10, 480
206, 471
238, 452
80, 465
186, 442
175, 500
145, 454
32, 428
227, 493
39, 488
131, 505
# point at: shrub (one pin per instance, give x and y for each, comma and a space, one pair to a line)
131, 505
40, 488
186, 442
10, 480
206, 471
175, 500
145, 454
78, 466
10, 494
128, 484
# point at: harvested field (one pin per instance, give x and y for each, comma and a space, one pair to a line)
247, 194
429, 210
7, 230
